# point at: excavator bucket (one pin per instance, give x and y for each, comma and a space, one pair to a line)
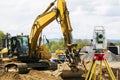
66, 73
71, 74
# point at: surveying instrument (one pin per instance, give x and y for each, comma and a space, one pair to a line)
100, 47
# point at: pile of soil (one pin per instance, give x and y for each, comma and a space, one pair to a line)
109, 56
32, 75
114, 62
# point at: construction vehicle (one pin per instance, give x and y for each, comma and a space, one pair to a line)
4, 48
29, 53
59, 56
15, 55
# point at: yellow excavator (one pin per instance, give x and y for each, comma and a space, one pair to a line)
59, 56
61, 15
30, 54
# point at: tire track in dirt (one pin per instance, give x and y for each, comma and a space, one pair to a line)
9, 76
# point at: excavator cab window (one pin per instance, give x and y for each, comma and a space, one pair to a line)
20, 46
23, 46
61, 57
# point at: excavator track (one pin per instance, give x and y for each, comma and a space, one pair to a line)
20, 68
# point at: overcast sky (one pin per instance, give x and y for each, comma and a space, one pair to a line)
17, 16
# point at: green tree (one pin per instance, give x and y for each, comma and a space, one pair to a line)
117, 43
81, 43
1, 36
54, 45
113, 43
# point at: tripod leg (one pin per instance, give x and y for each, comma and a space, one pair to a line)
94, 74
100, 70
91, 71
109, 70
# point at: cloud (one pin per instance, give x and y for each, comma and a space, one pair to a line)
18, 16
96, 13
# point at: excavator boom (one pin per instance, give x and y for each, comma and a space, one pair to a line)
46, 18
41, 22
65, 21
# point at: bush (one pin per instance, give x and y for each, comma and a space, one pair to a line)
1, 36
54, 45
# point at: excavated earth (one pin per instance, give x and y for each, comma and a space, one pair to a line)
32, 75
114, 62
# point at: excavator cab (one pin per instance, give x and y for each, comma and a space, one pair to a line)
20, 47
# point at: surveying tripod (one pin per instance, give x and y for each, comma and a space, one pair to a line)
92, 71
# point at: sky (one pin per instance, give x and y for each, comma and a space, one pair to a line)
17, 16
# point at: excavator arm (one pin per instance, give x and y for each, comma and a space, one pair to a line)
46, 18
39, 51
41, 22
65, 21
61, 14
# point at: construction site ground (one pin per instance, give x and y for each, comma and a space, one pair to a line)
47, 74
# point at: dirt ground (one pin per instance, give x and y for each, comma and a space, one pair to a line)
32, 75
47, 74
